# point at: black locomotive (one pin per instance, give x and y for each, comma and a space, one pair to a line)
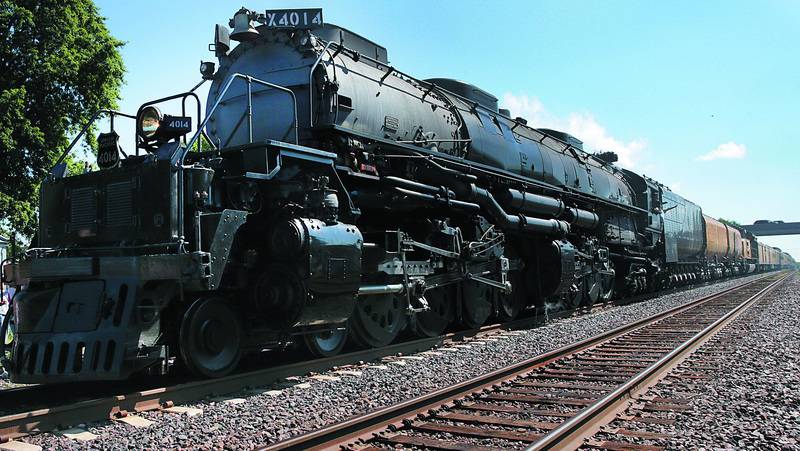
327, 194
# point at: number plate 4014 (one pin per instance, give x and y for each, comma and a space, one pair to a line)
294, 18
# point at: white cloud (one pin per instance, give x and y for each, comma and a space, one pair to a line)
581, 125
727, 150
530, 108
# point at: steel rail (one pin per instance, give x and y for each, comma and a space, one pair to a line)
363, 427
20, 395
571, 433
21, 423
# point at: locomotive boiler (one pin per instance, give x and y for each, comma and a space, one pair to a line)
325, 195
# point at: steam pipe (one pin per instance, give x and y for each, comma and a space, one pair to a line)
368, 290
548, 206
629, 258
532, 203
439, 200
416, 186
582, 218
520, 222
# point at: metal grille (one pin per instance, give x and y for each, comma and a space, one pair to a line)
119, 204
83, 208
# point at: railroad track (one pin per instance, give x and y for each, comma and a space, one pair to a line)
553, 401
34, 409
37, 408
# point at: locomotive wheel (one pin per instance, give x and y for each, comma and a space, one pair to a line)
433, 322
509, 306
512, 304
327, 343
476, 302
377, 320
211, 337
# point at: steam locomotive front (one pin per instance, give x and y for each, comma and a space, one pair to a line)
106, 256
118, 246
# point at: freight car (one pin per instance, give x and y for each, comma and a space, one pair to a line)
723, 248
325, 194
787, 262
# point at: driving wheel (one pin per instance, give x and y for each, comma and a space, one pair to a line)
476, 304
377, 320
327, 343
433, 322
211, 337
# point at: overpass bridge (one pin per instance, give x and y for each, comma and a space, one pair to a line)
773, 228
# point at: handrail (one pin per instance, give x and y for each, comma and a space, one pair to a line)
112, 113
227, 85
311, 83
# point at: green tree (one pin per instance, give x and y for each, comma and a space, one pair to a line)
202, 141
730, 222
58, 65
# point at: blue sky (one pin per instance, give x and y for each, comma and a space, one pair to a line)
702, 96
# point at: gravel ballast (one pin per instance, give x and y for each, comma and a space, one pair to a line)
308, 403
743, 388
753, 400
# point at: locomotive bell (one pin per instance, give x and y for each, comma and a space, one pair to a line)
243, 30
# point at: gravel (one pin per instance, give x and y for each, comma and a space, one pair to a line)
307, 403
753, 399
750, 398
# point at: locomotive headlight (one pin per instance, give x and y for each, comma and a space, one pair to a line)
207, 69
149, 121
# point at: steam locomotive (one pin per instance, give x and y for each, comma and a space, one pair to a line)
325, 194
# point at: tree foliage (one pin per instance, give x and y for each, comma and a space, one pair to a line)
202, 142
58, 65
730, 222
